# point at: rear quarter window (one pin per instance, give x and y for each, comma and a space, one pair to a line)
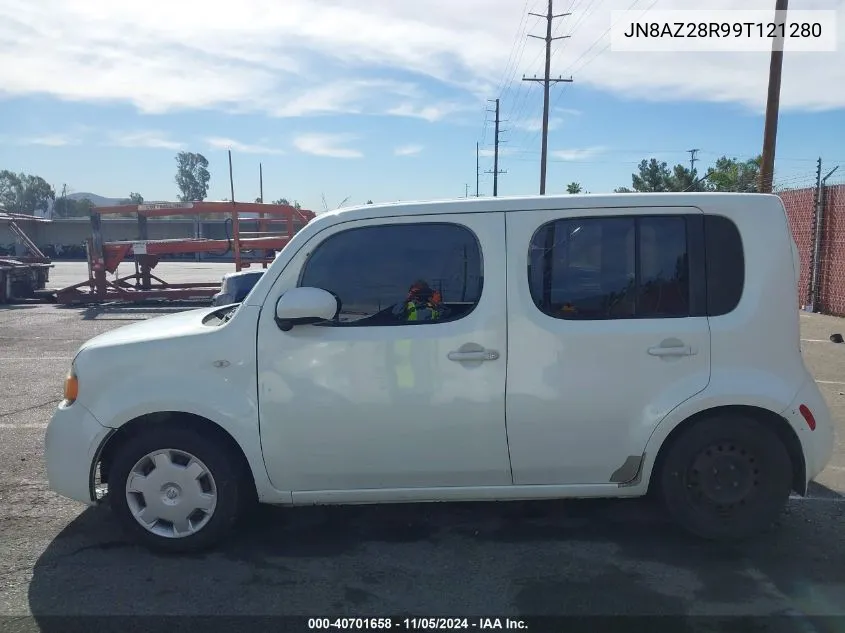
725, 263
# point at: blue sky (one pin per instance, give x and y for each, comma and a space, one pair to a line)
382, 99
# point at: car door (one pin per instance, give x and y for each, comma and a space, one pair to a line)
607, 334
372, 400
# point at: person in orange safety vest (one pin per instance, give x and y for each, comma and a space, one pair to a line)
421, 304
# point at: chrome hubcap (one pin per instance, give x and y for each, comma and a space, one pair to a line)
171, 493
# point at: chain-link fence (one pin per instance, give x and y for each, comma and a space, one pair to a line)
815, 205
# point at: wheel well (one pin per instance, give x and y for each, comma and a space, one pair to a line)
173, 419
780, 426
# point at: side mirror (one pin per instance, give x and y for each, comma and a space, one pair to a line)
301, 306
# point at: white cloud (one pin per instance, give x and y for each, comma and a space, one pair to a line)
503, 151
50, 140
149, 139
579, 154
536, 124
305, 57
431, 113
330, 145
217, 142
408, 150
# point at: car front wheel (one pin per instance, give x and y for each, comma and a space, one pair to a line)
174, 490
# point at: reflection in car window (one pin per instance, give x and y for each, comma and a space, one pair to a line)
399, 273
610, 268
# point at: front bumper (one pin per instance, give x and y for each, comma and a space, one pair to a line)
73, 441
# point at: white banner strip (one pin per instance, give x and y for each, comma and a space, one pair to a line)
725, 31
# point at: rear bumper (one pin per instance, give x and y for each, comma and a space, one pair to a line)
73, 441
817, 444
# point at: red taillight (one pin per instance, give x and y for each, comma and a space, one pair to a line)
808, 416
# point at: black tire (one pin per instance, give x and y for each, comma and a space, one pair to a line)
228, 480
726, 478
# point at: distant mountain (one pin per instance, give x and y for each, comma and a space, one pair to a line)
97, 201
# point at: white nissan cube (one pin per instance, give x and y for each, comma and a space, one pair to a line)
486, 349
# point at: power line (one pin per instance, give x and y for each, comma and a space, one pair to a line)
523, 24
589, 9
593, 45
520, 105
597, 55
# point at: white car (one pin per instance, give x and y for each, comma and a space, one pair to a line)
576, 346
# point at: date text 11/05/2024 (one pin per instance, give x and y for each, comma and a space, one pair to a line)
414, 624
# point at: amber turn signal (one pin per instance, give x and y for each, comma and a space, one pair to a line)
71, 388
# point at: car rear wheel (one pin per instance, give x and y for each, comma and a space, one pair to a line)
726, 478
174, 490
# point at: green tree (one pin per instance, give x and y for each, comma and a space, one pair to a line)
70, 208
622, 190
10, 190
136, 198
730, 174
192, 176
65, 208
684, 179
652, 176
369, 201
83, 207
573, 187
285, 201
24, 193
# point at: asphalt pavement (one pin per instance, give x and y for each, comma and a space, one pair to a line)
60, 561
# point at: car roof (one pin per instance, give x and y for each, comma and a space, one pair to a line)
726, 201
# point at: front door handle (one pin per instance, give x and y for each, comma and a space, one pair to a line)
484, 354
674, 350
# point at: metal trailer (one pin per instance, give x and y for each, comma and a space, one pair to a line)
26, 276
142, 285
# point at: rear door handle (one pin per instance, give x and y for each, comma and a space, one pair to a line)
680, 350
485, 354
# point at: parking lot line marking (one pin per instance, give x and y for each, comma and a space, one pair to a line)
830, 382
36, 357
815, 340
34, 425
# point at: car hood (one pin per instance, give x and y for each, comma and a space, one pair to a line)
155, 329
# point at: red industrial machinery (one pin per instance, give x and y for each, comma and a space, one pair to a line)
104, 257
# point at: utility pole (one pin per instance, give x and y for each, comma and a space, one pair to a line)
547, 81
466, 190
692, 159
64, 203
477, 173
260, 182
770, 133
496, 171
231, 178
